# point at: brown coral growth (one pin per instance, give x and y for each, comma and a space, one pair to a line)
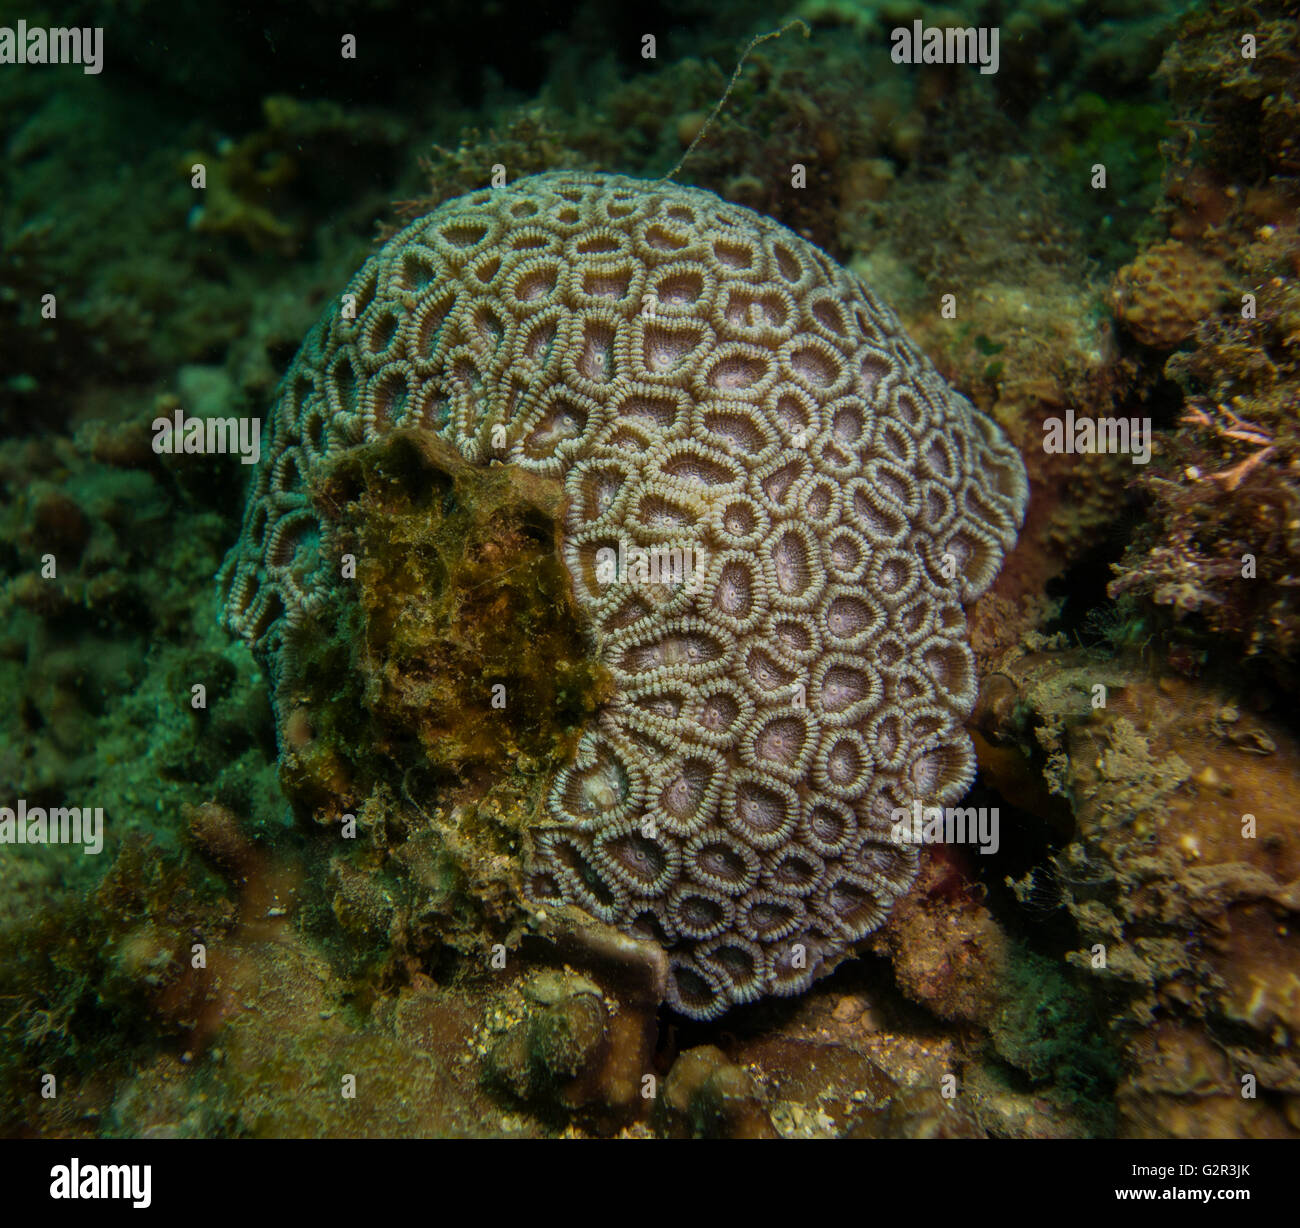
1167, 291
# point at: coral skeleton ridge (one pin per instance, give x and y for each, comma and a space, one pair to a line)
708, 387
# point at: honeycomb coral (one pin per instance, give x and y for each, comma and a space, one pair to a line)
712, 391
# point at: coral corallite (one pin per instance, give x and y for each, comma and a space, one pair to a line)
715, 391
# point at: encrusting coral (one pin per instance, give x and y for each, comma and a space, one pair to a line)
1167, 291
775, 508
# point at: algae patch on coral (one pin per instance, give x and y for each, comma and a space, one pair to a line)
446, 679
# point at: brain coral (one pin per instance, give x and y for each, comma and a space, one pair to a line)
704, 381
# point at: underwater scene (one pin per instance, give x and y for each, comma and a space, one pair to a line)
689, 570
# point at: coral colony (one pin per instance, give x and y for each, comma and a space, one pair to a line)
707, 384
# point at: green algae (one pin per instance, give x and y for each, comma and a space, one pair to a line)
1048, 1027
